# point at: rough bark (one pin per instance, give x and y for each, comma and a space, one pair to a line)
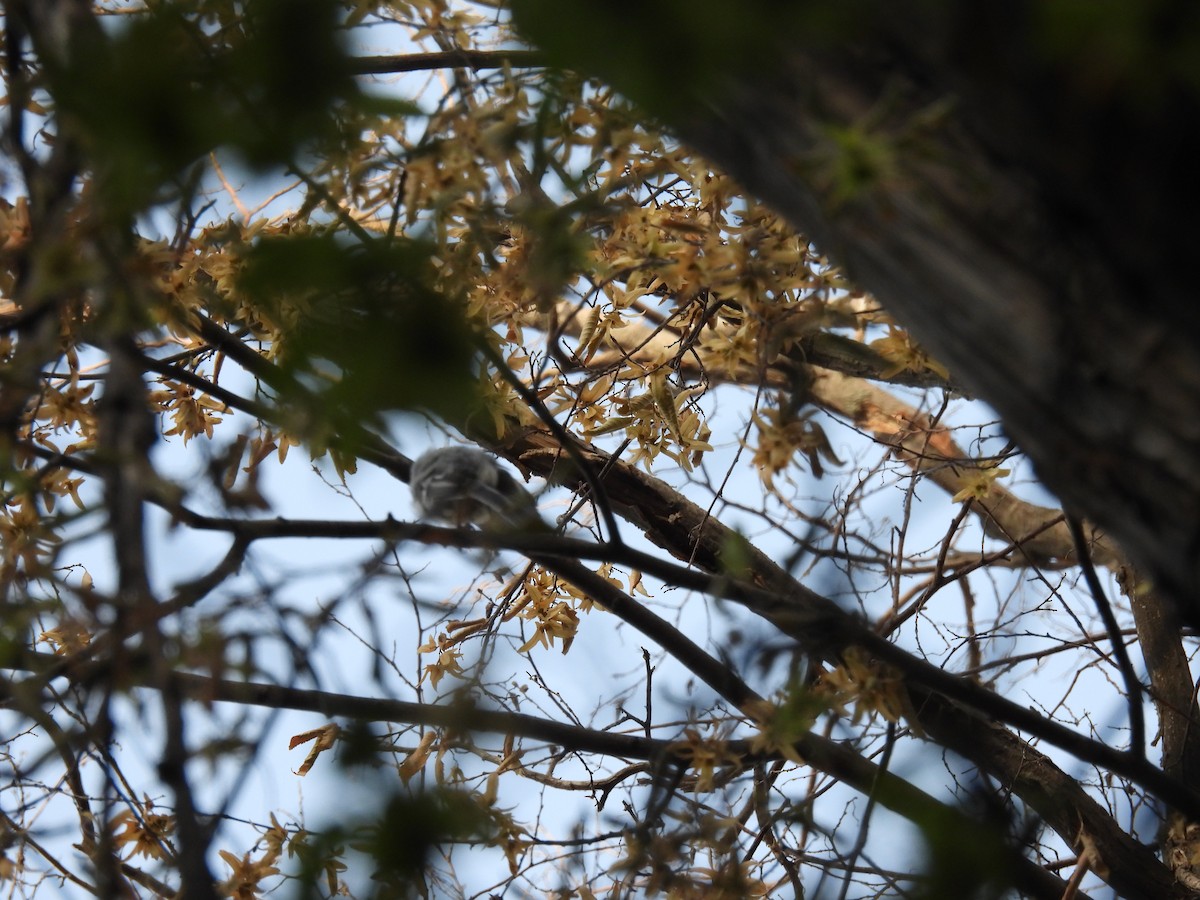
1030, 229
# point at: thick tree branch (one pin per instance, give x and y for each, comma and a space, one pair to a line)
930, 450
450, 59
1041, 534
814, 621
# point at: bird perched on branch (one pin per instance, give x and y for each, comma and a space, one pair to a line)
462, 485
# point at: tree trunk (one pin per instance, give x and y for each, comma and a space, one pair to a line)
1028, 218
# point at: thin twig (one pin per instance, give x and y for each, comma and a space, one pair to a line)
1133, 687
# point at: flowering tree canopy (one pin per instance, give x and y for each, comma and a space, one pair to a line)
794, 614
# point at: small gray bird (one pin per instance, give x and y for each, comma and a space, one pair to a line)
461, 485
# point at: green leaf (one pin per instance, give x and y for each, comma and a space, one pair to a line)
366, 321
671, 55
147, 99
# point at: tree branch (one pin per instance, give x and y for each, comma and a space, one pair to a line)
827, 755
450, 59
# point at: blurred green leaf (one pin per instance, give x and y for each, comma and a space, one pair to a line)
413, 825
141, 102
671, 55
967, 857
735, 554
366, 321
398, 840
150, 96
291, 71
